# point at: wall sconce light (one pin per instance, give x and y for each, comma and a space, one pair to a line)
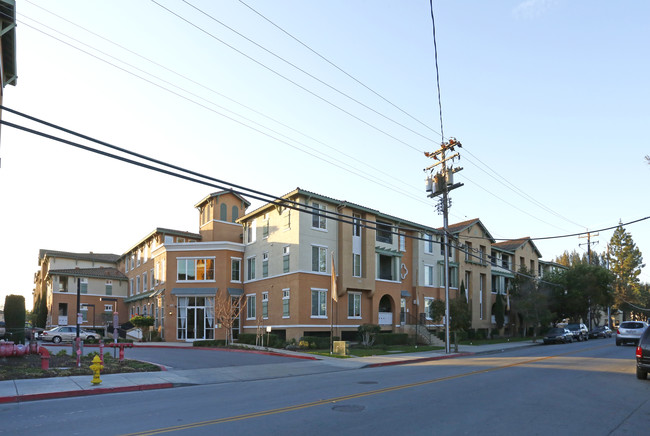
170, 313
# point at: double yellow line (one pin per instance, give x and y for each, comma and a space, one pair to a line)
339, 399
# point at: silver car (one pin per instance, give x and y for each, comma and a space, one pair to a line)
67, 333
630, 331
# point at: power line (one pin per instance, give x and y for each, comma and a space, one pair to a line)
339, 68
304, 71
341, 165
219, 106
287, 79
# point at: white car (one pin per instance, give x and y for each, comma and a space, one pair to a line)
630, 331
67, 333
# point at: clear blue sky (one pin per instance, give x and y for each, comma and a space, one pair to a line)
549, 98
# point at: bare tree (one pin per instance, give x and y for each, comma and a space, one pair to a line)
227, 309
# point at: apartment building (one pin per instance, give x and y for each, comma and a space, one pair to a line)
306, 264
175, 276
385, 268
102, 287
475, 269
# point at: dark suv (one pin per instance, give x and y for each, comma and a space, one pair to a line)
643, 356
580, 331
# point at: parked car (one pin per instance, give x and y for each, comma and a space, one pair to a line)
2, 329
643, 356
29, 329
630, 331
558, 334
600, 332
579, 330
67, 333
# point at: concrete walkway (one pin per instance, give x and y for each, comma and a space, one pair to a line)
305, 364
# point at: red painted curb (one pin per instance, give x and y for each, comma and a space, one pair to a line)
422, 359
83, 393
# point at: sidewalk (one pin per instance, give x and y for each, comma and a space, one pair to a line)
60, 387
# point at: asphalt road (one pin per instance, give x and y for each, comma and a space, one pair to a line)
586, 388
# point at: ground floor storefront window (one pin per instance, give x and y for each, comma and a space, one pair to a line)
195, 318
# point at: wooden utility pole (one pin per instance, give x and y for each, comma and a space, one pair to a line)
440, 184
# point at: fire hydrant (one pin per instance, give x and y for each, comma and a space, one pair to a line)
96, 367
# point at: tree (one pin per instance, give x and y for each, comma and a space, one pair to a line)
367, 333
227, 310
144, 323
39, 315
530, 301
15, 318
499, 311
584, 292
625, 262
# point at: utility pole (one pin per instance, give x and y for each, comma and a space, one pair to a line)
588, 244
439, 185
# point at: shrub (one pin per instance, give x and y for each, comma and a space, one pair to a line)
15, 318
210, 343
391, 339
317, 341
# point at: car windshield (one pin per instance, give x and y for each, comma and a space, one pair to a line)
555, 331
573, 326
632, 325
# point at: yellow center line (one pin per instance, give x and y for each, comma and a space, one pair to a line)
342, 398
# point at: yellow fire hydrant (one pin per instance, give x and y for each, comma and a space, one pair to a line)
96, 367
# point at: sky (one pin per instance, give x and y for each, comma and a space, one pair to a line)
548, 97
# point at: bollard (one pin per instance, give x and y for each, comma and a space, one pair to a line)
101, 351
96, 367
121, 352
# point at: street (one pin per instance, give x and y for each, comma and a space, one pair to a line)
580, 388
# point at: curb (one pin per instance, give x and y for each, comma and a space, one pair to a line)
83, 393
422, 359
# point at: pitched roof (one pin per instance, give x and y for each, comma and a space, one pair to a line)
163, 231
94, 257
219, 193
98, 273
512, 244
463, 225
342, 203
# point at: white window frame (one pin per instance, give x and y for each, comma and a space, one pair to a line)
402, 242
286, 258
233, 261
322, 255
428, 301
251, 309
428, 243
318, 219
322, 298
250, 272
251, 232
356, 272
108, 285
196, 269
265, 264
265, 305
286, 303
108, 308
429, 271
354, 303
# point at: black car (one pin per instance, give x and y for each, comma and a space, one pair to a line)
643, 356
579, 330
558, 334
600, 332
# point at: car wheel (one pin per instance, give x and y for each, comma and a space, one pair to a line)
90, 339
586, 338
56, 339
641, 374
618, 343
571, 340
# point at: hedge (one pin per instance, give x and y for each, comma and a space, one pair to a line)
391, 339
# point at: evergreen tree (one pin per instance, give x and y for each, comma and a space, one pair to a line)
15, 318
625, 262
499, 311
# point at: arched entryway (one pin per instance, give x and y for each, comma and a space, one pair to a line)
385, 311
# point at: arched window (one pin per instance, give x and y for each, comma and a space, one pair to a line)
223, 214
235, 213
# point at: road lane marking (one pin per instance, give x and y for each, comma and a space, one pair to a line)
342, 398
